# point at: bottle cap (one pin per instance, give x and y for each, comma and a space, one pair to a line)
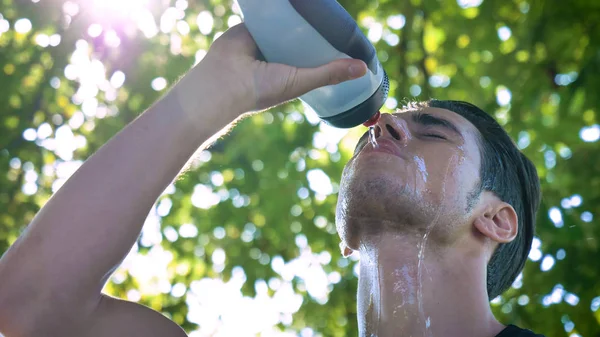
373, 120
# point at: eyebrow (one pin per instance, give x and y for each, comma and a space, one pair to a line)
431, 120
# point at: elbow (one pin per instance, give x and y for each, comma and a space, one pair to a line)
8, 324
11, 311
17, 313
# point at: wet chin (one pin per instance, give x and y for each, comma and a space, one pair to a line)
371, 204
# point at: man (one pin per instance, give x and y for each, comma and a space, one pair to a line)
441, 194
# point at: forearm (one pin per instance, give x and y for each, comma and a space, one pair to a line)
90, 224
52, 276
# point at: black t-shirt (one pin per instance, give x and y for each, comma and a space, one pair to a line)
515, 331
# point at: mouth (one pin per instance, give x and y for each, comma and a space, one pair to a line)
384, 146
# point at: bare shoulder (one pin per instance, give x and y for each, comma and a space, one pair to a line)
115, 317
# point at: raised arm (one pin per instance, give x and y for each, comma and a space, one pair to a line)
51, 278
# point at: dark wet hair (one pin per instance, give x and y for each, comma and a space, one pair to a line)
513, 178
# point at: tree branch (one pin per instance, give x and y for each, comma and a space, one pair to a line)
425, 88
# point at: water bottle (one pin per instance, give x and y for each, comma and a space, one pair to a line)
311, 33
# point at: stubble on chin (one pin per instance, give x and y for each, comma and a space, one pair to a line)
375, 206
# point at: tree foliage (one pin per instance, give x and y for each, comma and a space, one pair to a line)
533, 64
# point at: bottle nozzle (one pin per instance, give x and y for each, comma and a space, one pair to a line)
373, 120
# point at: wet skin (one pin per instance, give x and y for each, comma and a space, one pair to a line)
421, 157
402, 204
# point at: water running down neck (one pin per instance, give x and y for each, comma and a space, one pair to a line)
404, 288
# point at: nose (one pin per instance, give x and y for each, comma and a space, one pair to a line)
393, 127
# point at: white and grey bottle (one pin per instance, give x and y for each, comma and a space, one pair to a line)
310, 33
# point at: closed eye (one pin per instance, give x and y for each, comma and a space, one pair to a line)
433, 135
430, 121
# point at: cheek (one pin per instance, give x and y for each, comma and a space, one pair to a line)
346, 207
345, 192
445, 178
347, 176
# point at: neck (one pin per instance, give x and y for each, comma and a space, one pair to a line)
408, 289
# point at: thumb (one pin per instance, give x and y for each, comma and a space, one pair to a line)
335, 72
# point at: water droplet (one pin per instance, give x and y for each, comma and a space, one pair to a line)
372, 137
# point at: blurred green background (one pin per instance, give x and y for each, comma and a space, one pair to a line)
245, 243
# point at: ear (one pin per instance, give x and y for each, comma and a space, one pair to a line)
499, 222
346, 251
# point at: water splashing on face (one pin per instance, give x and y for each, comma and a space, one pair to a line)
421, 256
371, 125
372, 137
421, 167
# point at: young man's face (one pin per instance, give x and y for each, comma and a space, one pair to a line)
420, 177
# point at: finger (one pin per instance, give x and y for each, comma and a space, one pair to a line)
334, 72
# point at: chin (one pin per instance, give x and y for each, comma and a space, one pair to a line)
372, 201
